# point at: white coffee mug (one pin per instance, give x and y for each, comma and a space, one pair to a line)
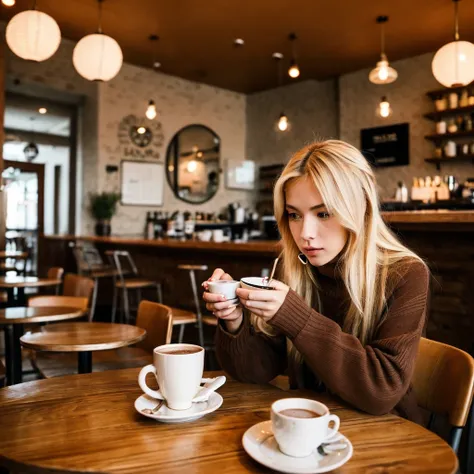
218, 235
299, 437
224, 287
178, 369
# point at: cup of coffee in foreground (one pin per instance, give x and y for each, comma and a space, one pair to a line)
224, 287
301, 425
255, 283
178, 369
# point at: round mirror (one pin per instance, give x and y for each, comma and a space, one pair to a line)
192, 164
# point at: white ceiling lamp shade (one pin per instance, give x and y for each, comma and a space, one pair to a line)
383, 73
33, 35
453, 64
97, 57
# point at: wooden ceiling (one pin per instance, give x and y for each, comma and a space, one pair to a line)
196, 36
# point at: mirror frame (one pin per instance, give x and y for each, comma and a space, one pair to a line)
175, 170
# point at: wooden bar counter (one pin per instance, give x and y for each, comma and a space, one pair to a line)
444, 239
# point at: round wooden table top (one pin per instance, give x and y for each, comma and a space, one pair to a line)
87, 423
26, 282
24, 315
13, 254
81, 337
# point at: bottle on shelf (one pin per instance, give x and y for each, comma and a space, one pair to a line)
157, 229
453, 100
464, 99
452, 127
441, 127
149, 226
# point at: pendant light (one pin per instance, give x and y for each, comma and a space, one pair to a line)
97, 57
33, 35
384, 110
283, 122
383, 73
294, 70
151, 108
453, 64
8, 3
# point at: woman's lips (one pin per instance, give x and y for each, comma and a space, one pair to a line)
311, 251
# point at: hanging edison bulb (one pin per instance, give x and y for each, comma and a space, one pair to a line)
283, 123
151, 110
384, 109
382, 73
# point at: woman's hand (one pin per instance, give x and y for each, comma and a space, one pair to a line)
264, 303
231, 313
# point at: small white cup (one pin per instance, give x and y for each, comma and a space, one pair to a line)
179, 376
218, 235
299, 437
255, 283
225, 287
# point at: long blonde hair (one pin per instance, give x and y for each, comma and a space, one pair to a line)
347, 185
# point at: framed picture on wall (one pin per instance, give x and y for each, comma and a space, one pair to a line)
142, 183
386, 146
240, 174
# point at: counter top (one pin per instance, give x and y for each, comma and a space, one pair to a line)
429, 217
253, 246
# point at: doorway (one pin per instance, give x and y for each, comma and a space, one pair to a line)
23, 188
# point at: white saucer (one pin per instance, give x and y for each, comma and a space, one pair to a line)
261, 445
165, 415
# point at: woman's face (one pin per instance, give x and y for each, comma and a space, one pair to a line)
318, 234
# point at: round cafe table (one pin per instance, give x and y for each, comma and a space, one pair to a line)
13, 319
83, 338
9, 283
87, 423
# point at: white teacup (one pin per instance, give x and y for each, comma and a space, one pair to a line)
299, 436
225, 287
178, 369
255, 283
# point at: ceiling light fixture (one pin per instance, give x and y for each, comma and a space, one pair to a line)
294, 70
33, 35
8, 3
31, 150
453, 64
42, 110
97, 57
383, 73
151, 110
282, 123
192, 166
238, 42
384, 110
154, 39
141, 130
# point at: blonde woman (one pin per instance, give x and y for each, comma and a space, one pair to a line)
349, 312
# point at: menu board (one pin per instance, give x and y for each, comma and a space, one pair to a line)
142, 183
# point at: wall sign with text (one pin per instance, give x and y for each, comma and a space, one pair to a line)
386, 146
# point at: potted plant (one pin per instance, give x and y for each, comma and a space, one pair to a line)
103, 208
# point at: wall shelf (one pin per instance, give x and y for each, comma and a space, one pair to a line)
436, 137
435, 116
447, 90
460, 158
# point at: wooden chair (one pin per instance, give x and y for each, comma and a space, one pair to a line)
155, 318
80, 302
56, 273
443, 382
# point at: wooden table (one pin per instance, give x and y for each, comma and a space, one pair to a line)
83, 338
87, 423
9, 283
13, 319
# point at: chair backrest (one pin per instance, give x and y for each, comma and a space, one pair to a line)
157, 320
122, 262
79, 302
443, 380
76, 285
55, 273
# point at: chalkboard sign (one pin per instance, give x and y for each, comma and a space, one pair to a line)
386, 146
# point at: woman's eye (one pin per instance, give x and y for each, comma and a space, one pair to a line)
293, 216
324, 215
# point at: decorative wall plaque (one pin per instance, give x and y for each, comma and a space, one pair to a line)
140, 138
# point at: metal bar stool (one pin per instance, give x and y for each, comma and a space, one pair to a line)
89, 263
201, 320
124, 265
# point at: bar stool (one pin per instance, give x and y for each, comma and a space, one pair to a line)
201, 320
124, 265
89, 263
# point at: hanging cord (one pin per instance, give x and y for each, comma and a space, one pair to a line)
292, 38
100, 16
381, 20
456, 20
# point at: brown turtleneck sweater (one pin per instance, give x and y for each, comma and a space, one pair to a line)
374, 378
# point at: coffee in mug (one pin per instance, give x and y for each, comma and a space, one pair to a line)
225, 287
301, 425
178, 369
